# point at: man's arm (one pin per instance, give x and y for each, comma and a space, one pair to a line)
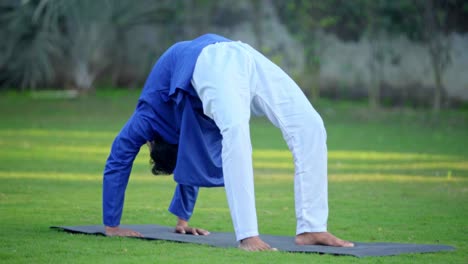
117, 171
182, 206
183, 201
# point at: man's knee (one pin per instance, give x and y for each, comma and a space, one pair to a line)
312, 118
314, 126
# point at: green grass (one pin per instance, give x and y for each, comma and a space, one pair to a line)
395, 175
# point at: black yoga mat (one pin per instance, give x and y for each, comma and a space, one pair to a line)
282, 243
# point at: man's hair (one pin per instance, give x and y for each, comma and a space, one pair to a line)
163, 156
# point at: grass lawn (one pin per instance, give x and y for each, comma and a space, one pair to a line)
394, 176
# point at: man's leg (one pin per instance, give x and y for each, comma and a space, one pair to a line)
222, 78
287, 107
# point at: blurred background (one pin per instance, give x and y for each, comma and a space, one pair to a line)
387, 52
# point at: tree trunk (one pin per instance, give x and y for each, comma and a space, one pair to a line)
439, 51
376, 57
375, 65
438, 89
257, 26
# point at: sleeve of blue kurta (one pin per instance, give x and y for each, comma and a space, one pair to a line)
183, 201
136, 132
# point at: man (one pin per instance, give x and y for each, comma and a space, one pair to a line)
198, 99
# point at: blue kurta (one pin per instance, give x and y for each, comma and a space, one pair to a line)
169, 107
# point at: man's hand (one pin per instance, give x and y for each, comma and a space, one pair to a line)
117, 231
183, 228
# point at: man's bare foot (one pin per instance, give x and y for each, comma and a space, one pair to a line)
255, 244
321, 238
117, 231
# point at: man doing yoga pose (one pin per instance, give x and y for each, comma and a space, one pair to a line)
195, 109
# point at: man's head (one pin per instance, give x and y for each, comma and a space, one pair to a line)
163, 156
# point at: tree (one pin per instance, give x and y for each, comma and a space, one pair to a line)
427, 22
91, 29
70, 38
438, 47
29, 46
378, 20
422, 21
307, 20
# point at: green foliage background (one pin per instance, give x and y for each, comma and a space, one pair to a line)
87, 44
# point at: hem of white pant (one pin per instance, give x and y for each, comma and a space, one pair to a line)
246, 235
311, 230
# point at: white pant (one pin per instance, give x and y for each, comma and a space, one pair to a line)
232, 79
